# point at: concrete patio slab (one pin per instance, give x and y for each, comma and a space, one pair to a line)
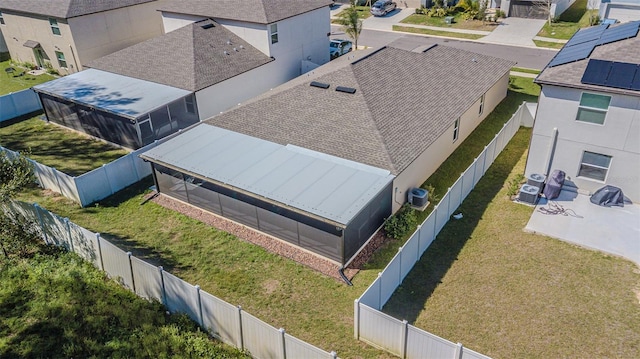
613, 230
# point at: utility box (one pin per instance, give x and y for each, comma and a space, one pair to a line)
448, 20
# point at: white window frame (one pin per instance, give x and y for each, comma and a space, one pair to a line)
61, 61
594, 109
456, 129
53, 23
481, 105
273, 33
190, 104
1, 18
606, 169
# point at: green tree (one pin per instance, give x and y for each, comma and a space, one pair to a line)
351, 23
16, 173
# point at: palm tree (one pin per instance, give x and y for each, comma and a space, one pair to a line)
351, 23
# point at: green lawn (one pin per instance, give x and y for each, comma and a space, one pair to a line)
54, 146
548, 44
10, 83
525, 70
59, 306
416, 30
363, 13
572, 20
458, 22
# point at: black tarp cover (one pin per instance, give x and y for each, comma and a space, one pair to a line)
554, 184
608, 196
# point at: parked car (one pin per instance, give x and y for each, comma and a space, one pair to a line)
382, 7
338, 47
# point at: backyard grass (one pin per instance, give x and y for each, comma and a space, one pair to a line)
54, 146
572, 20
458, 22
525, 70
56, 305
548, 44
416, 30
285, 294
10, 83
509, 294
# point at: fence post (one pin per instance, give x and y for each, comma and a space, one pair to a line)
461, 189
418, 254
356, 319
449, 211
200, 320
400, 270
435, 222
403, 348
44, 232
66, 221
164, 293
100, 251
106, 175
240, 338
133, 281
379, 291
284, 345
135, 168
55, 174
459, 349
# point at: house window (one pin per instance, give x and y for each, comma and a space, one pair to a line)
594, 166
481, 105
61, 61
189, 104
456, 129
274, 33
54, 26
593, 108
1, 19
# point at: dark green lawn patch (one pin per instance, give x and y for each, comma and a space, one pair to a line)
58, 306
573, 19
54, 146
12, 82
458, 22
416, 30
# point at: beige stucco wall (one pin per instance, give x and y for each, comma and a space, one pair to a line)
429, 161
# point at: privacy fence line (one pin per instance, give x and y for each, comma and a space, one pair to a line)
18, 103
397, 336
226, 322
97, 184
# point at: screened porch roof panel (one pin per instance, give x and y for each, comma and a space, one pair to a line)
316, 183
117, 94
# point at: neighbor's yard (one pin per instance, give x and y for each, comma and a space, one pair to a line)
285, 294
10, 83
572, 20
363, 13
55, 146
458, 22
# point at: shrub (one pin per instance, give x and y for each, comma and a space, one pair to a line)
421, 10
513, 186
433, 197
401, 223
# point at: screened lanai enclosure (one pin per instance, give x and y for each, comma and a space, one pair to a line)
320, 203
119, 109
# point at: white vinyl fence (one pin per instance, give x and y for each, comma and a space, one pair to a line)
97, 184
397, 336
18, 103
226, 322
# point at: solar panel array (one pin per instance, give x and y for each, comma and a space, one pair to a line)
580, 46
621, 75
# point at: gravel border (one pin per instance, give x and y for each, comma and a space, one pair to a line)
270, 243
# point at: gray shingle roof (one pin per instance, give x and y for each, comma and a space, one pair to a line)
66, 8
403, 102
570, 75
256, 11
190, 58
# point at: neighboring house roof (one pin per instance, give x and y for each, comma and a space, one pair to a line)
624, 50
256, 11
404, 101
316, 183
193, 57
121, 95
66, 8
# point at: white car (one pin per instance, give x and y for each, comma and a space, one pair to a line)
339, 47
382, 7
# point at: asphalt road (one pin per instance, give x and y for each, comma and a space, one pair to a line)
531, 58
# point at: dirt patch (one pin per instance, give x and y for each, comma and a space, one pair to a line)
273, 244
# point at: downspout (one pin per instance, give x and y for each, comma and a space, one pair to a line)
552, 150
344, 277
73, 54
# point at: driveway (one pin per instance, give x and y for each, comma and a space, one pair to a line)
515, 31
385, 23
614, 230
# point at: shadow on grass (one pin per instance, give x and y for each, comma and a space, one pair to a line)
409, 299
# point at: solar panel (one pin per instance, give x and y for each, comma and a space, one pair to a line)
588, 34
620, 32
621, 75
596, 72
635, 85
573, 53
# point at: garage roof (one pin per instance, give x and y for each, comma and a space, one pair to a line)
313, 182
121, 95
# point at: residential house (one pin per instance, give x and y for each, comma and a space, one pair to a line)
322, 160
534, 9
66, 34
588, 118
620, 10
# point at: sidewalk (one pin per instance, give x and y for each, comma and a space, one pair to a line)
512, 31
